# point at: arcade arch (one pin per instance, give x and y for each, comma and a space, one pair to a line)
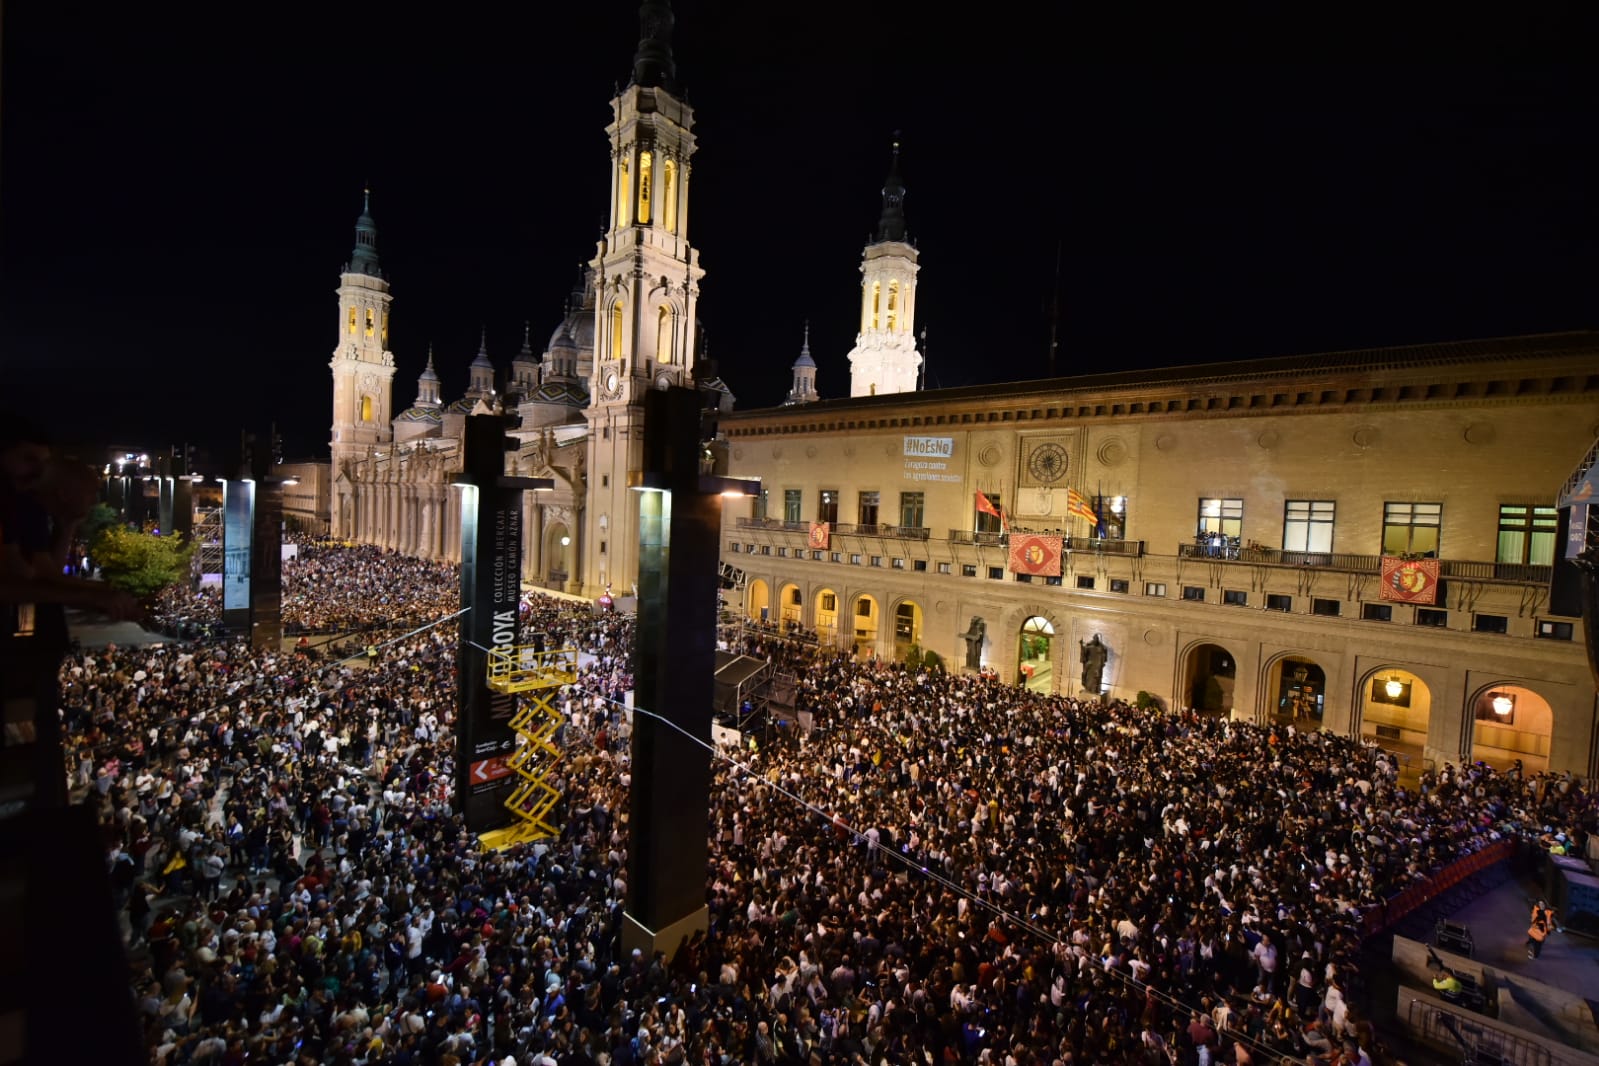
1296, 686
1395, 711
1511, 723
760, 601
1210, 675
864, 618
1035, 654
791, 604
826, 614
557, 554
907, 627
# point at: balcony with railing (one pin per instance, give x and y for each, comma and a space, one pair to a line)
1228, 549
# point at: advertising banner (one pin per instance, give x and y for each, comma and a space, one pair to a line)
238, 528
1032, 553
1410, 580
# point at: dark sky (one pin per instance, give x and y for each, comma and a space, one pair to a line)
178, 187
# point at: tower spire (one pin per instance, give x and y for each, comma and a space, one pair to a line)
653, 64
364, 260
891, 225
803, 389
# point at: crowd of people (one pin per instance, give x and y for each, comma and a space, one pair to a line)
947, 869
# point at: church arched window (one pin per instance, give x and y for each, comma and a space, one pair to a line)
366, 408
618, 314
893, 304
669, 195
663, 336
371, 322
877, 300
646, 166
352, 319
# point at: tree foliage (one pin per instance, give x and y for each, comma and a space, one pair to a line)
140, 564
102, 517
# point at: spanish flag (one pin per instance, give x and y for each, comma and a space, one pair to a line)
1077, 504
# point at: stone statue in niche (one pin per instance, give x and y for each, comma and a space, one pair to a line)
974, 643
1093, 656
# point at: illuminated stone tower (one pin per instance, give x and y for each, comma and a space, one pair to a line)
804, 388
884, 358
647, 278
363, 366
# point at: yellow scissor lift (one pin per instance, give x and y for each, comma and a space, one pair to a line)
537, 676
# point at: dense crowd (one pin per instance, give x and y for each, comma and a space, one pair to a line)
949, 869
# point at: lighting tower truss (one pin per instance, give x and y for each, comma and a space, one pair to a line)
536, 676
207, 540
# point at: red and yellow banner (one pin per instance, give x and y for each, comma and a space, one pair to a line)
820, 535
1032, 553
1410, 580
1077, 504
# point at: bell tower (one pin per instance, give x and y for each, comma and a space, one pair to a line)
647, 278
363, 366
884, 358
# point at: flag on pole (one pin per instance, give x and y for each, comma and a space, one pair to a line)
1077, 504
986, 506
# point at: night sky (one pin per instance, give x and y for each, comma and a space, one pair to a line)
179, 189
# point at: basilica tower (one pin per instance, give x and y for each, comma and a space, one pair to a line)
363, 366
884, 358
647, 279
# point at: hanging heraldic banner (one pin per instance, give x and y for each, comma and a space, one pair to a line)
1410, 580
821, 534
1034, 554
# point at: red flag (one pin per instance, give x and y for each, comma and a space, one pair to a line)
820, 534
986, 506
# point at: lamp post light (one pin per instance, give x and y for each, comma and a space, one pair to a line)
680, 515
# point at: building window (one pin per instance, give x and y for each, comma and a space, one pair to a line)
989, 523
1218, 515
868, 508
663, 336
898, 564
645, 161
912, 509
1235, 597
1118, 585
791, 505
1548, 630
1308, 525
794, 599
1194, 593
996, 573
1279, 603
766, 549
968, 569
1411, 528
863, 608
829, 602
1527, 534
669, 195
371, 322
352, 320
943, 568
1112, 512
782, 553
818, 556
737, 547
1490, 623
605, 481
763, 500
624, 194
749, 549
1053, 582
855, 559
827, 506
1023, 579
919, 565
877, 560
1085, 582
1154, 588
1377, 612
836, 557
618, 321
1429, 616
1326, 608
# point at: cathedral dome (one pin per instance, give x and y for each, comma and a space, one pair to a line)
428, 415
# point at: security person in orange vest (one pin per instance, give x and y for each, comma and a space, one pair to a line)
1543, 920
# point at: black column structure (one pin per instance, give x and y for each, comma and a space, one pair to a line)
252, 551
491, 592
680, 520
166, 486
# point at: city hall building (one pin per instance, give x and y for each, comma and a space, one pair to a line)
1361, 542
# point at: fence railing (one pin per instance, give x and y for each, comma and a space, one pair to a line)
1225, 550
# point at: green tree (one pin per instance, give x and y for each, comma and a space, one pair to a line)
101, 517
140, 564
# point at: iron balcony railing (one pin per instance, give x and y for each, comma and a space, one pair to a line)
1464, 569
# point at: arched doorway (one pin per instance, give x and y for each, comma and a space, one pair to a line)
1212, 675
907, 627
1395, 709
1511, 723
557, 555
827, 616
1297, 687
791, 605
760, 601
1035, 654
863, 632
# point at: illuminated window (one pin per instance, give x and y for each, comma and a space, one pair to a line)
366, 408
1224, 516
1308, 525
1527, 534
663, 336
669, 195
624, 194
352, 320
893, 304
616, 330
371, 322
827, 506
877, 299
1411, 528
385, 329
645, 165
